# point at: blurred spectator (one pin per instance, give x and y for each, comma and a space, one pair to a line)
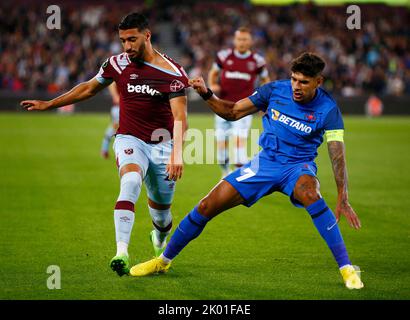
373, 59
374, 106
37, 59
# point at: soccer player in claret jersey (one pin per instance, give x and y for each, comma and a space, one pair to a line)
232, 77
149, 140
115, 121
298, 112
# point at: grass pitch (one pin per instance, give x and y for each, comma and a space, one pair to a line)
57, 197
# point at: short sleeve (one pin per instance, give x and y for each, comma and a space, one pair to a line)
180, 93
260, 98
104, 75
216, 67
334, 120
260, 64
218, 62
263, 72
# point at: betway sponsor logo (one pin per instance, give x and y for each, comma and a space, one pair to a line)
142, 89
290, 122
237, 75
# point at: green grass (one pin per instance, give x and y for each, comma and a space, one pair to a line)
57, 196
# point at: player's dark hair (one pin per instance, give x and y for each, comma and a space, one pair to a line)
134, 20
308, 64
244, 29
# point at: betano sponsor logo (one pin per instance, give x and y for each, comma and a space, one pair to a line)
290, 122
237, 75
142, 89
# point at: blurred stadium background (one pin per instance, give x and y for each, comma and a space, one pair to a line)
372, 60
57, 194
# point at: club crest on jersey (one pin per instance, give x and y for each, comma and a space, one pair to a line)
251, 66
290, 122
176, 86
275, 114
310, 117
129, 151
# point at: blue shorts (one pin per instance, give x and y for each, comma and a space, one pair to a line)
264, 175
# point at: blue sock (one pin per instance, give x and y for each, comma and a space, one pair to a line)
188, 229
325, 222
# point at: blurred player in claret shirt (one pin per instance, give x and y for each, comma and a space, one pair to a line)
297, 114
233, 77
115, 121
149, 140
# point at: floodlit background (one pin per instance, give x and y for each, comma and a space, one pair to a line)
57, 194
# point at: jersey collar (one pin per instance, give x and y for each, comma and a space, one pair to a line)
242, 55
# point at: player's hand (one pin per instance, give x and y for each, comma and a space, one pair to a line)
31, 105
344, 208
198, 84
174, 168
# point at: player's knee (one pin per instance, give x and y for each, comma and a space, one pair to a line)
205, 207
307, 197
130, 186
311, 197
131, 167
307, 190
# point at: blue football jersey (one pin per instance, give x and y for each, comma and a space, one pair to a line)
292, 131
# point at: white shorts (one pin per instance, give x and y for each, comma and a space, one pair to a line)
225, 128
115, 114
152, 159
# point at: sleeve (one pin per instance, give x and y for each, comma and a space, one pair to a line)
180, 93
260, 98
105, 74
334, 120
334, 126
263, 72
218, 62
216, 67
260, 65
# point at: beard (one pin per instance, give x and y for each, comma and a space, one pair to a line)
139, 55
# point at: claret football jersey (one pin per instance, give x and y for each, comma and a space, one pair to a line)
238, 73
144, 90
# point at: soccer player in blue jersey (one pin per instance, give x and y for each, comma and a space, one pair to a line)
298, 112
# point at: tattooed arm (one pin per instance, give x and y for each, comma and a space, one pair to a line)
337, 156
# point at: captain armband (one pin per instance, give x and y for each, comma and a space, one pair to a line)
334, 135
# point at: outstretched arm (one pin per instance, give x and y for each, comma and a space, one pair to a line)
175, 165
228, 110
337, 156
80, 92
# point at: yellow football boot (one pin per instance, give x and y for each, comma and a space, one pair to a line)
351, 277
156, 265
